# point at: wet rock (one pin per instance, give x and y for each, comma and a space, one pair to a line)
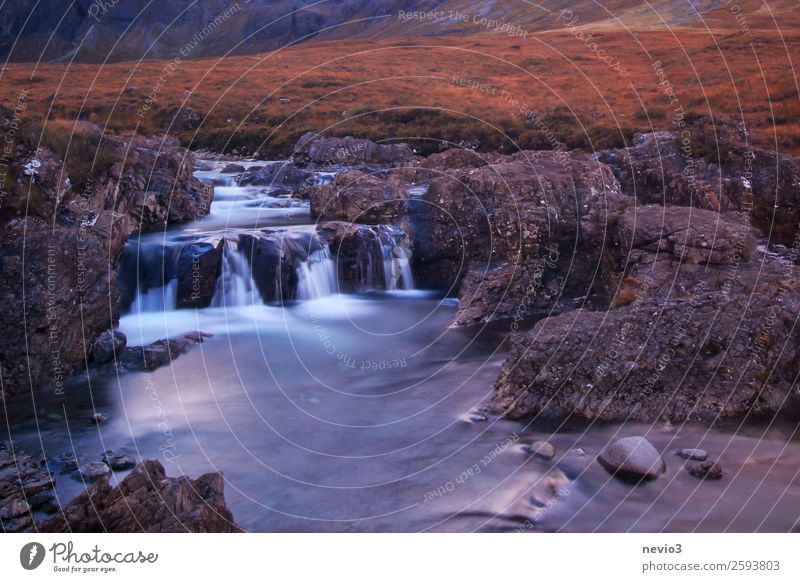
108, 345
163, 504
118, 461
92, 471
358, 197
541, 449
632, 457
312, 148
693, 454
360, 251
159, 353
233, 168
198, 267
708, 470
276, 174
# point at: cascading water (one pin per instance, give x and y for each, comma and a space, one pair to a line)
316, 277
396, 265
235, 285
156, 299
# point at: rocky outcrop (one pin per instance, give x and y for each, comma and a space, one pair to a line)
314, 149
360, 198
147, 501
436, 165
716, 344
710, 165
59, 250
26, 487
516, 211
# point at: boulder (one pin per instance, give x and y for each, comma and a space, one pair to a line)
698, 356
276, 174
312, 148
358, 197
162, 505
152, 356
632, 457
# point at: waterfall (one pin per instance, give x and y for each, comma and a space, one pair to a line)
235, 285
316, 277
164, 298
396, 265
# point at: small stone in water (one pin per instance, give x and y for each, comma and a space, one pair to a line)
98, 418
693, 454
541, 449
118, 461
708, 470
634, 457
93, 471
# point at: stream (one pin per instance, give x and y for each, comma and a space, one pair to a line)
357, 409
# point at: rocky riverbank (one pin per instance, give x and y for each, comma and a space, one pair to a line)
63, 238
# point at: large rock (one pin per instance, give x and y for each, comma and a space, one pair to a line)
358, 197
312, 148
710, 165
361, 251
519, 209
703, 352
198, 267
633, 457
147, 501
61, 243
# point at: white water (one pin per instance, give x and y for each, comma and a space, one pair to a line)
157, 299
317, 276
235, 284
396, 267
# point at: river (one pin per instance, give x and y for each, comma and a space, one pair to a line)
358, 411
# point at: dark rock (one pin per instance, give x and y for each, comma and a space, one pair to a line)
118, 461
360, 251
108, 345
632, 457
233, 168
708, 470
163, 504
517, 210
276, 174
159, 353
198, 267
